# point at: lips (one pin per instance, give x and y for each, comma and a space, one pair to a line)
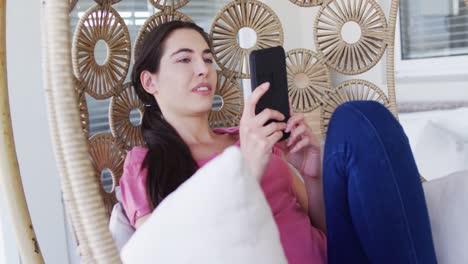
202, 88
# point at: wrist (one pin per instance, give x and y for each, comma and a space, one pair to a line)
312, 169
312, 176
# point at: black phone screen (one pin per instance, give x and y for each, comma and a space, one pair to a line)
269, 65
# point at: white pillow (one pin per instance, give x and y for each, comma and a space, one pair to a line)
440, 152
219, 215
413, 128
454, 120
447, 202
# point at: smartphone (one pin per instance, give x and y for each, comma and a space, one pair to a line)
269, 65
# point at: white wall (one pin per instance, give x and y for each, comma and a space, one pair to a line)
443, 88
30, 126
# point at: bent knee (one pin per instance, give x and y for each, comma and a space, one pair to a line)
369, 109
355, 115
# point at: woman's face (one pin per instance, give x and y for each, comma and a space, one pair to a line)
186, 80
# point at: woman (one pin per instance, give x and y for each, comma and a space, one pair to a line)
373, 214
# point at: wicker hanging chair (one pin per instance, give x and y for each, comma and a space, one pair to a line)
68, 75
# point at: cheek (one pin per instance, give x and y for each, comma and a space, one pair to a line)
213, 75
175, 79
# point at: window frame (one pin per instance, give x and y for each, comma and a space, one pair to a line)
434, 67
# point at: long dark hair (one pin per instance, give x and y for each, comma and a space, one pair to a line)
169, 161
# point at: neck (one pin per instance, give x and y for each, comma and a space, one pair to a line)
193, 129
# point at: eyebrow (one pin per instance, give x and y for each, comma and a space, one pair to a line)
206, 51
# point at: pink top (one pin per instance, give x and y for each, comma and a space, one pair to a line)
302, 243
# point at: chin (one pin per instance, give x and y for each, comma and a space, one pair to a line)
202, 107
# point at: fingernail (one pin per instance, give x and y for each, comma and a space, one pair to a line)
267, 84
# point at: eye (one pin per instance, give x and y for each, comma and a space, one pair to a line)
184, 60
209, 60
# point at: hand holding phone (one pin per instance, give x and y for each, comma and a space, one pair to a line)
257, 139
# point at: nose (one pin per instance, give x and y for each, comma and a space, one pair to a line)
201, 68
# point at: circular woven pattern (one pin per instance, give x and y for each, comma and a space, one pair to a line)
308, 79
105, 154
124, 131
153, 22
168, 4
101, 24
366, 51
350, 91
236, 15
233, 103
306, 3
80, 89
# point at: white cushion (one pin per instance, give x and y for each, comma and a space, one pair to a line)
413, 128
439, 152
219, 215
454, 120
447, 201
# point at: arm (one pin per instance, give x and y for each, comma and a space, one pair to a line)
300, 192
133, 188
316, 204
303, 151
309, 193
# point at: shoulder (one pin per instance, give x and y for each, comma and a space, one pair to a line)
136, 155
135, 158
133, 185
132, 168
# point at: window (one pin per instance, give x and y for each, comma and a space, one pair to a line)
432, 37
433, 28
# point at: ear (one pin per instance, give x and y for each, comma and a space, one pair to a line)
148, 81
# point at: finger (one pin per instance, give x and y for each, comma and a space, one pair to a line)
291, 112
249, 108
300, 145
295, 133
274, 138
268, 114
294, 120
272, 128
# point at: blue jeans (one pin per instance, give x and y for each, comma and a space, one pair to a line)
374, 201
